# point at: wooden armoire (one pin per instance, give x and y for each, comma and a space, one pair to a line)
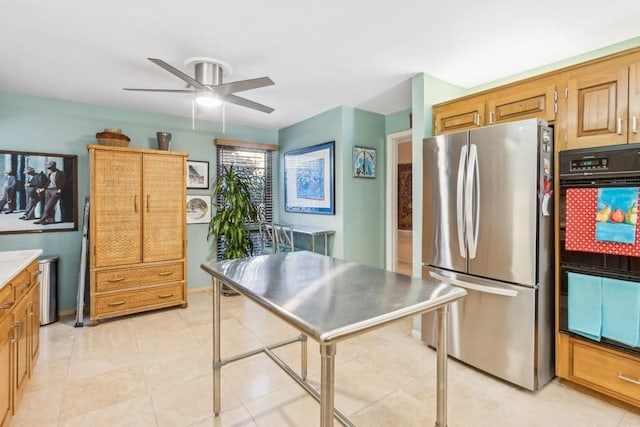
137, 235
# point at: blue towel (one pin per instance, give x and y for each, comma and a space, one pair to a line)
585, 305
621, 311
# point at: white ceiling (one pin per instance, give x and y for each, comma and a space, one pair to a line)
321, 54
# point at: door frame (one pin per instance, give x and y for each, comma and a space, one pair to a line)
393, 140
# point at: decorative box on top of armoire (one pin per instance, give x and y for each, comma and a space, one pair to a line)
137, 235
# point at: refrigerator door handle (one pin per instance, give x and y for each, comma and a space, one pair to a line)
474, 286
460, 202
472, 212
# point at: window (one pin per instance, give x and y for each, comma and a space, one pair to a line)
256, 160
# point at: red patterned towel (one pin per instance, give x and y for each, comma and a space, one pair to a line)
581, 207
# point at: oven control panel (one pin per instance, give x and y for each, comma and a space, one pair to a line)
614, 160
588, 164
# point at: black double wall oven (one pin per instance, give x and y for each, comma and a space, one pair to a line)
588, 170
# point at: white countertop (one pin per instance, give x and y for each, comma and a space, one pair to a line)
13, 262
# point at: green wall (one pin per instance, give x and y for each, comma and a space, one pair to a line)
44, 125
324, 127
359, 202
397, 122
363, 198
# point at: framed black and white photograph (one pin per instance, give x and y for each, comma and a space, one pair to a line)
38, 192
198, 209
309, 180
364, 162
197, 174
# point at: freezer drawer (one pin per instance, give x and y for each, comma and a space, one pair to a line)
494, 330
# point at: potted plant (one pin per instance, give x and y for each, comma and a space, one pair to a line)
235, 212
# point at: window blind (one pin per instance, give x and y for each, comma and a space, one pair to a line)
257, 163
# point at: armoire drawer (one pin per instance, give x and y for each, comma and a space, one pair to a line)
112, 280
612, 371
144, 299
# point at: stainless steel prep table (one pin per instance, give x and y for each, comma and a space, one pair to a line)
329, 300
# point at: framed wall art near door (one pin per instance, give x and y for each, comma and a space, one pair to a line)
309, 179
364, 162
38, 192
197, 174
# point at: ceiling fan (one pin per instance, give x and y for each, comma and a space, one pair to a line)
207, 86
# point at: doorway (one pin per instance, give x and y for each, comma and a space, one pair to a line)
399, 234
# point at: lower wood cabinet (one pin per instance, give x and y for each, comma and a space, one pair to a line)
6, 383
21, 348
34, 325
611, 372
19, 338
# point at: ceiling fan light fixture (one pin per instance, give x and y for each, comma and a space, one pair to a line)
208, 99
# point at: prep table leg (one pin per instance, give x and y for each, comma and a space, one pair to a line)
303, 357
216, 346
327, 364
441, 384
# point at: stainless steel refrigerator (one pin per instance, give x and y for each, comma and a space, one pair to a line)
488, 227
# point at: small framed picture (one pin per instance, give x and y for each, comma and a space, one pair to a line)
364, 162
198, 209
197, 174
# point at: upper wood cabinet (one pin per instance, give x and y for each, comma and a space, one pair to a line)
596, 111
634, 103
601, 105
532, 99
458, 116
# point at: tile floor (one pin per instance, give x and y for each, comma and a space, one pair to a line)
155, 369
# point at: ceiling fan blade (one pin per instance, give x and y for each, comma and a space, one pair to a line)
247, 103
161, 90
242, 85
190, 80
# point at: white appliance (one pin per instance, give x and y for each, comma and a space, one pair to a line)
488, 227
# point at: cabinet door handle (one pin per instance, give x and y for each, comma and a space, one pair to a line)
476, 119
623, 377
135, 203
165, 273
163, 296
634, 124
619, 126
115, 279
6, 305
115, 303
491, 115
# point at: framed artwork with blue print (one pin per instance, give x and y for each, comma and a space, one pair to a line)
364, 162
309, 179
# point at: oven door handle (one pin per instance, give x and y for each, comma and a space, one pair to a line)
475, 287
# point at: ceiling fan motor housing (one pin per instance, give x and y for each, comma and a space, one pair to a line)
208, 74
